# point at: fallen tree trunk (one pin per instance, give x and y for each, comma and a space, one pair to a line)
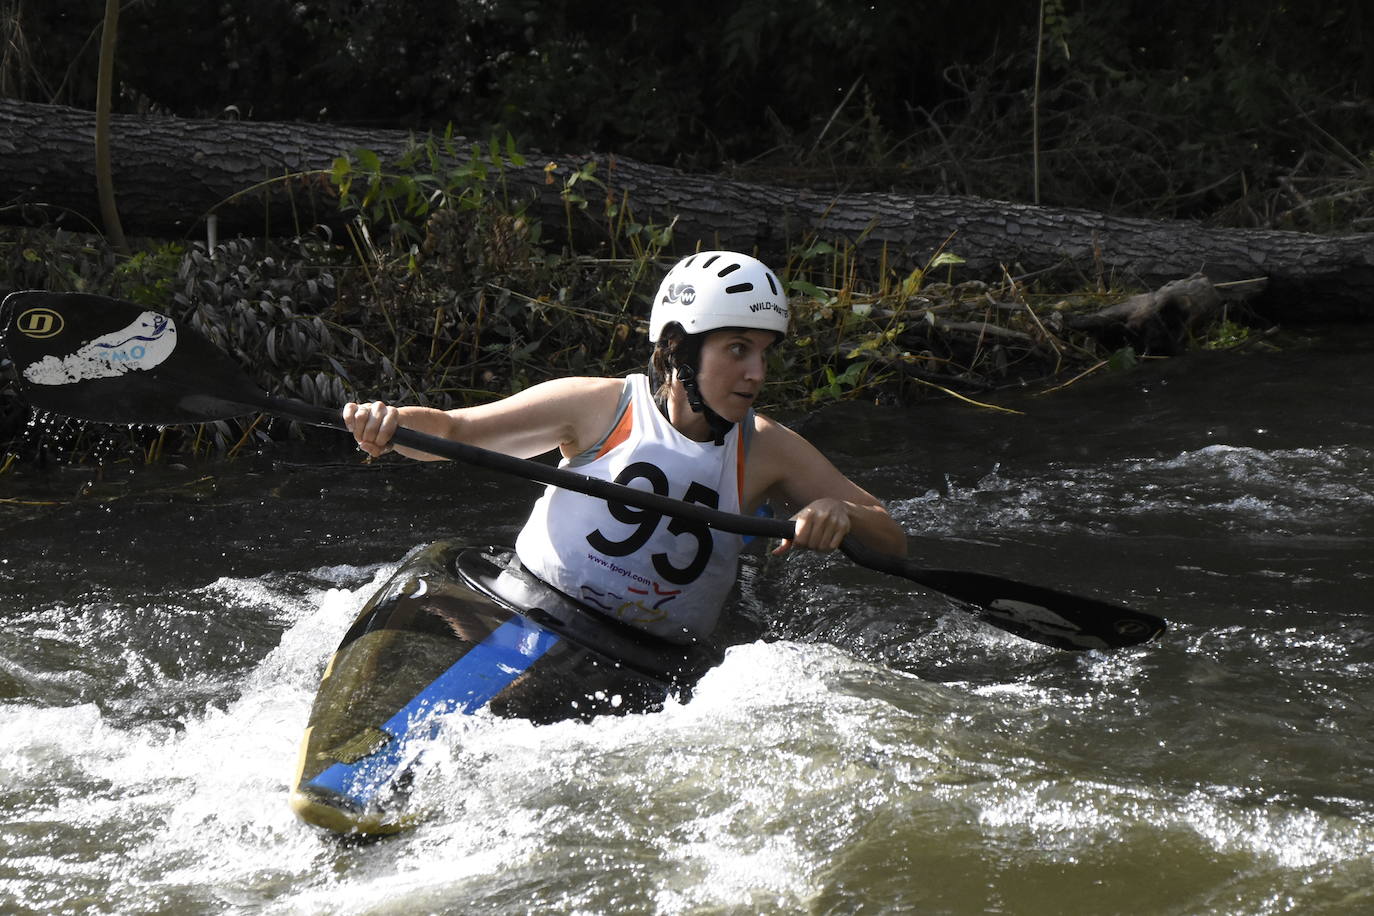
1161, 321
171, 174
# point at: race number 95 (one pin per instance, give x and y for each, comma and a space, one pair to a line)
646, 522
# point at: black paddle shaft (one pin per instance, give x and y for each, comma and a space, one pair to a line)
109, 361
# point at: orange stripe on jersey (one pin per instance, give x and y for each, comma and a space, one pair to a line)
739, 467
621, 431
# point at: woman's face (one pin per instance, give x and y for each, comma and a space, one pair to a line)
731, 371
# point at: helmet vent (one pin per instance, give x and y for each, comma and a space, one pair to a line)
711, 260
739, 288
728, 270
772, 285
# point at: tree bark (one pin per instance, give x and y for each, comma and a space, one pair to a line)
172, 173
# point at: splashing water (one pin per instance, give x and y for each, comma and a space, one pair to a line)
880, 754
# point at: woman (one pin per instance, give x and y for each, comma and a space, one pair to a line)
687, 430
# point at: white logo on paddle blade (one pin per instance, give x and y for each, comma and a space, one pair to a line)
145, 343
1045, 620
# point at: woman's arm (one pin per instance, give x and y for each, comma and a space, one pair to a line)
784, 464
568, 413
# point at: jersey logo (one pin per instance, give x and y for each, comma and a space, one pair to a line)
632, 610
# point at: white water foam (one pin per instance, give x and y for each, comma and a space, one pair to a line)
1062, 819
187, 814
1237, 487
663, 812
794, 769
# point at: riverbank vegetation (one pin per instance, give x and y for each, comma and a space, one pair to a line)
441, 290
451, 298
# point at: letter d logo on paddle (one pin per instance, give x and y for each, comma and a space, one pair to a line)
39, 323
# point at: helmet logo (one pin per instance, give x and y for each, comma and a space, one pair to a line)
766, 305
683, 293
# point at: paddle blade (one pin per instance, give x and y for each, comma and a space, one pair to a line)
111, 361
1044, 615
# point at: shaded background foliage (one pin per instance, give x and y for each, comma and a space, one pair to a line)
1239, 112
1244, 111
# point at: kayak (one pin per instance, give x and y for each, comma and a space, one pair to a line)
458, 629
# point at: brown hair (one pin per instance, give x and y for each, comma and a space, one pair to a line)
671, 351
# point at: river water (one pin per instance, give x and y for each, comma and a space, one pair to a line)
879, 753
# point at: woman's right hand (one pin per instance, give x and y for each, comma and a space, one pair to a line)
372, 425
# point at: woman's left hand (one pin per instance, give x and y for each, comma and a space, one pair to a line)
822, 525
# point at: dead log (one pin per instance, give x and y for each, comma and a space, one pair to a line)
170, 174
1163, 321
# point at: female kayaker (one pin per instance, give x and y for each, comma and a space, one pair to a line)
687, 430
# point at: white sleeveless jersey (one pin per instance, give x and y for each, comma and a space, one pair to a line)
665, 575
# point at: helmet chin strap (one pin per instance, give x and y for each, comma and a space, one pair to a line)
720, 427
681, 364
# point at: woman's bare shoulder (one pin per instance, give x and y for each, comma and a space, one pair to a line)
774, 450
783, 462
569, 393
591, 404
574, 386
771, 435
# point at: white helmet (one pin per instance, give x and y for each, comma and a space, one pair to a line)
719, 289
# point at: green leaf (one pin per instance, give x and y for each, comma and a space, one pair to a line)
511, 153
807, 288
369, 160
817, 248
1122, 359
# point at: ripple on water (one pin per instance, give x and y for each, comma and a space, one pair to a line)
1297, 491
